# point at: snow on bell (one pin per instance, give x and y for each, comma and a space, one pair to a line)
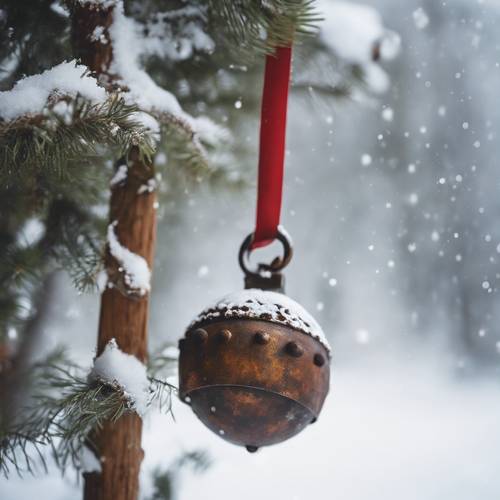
254, 366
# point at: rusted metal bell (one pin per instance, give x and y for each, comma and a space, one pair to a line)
255, 368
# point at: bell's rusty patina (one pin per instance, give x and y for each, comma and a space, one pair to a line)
252, 370
255, 366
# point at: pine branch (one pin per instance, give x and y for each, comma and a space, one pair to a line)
183, 144
33, 37
258, 26
164, 361
74, 239
68, 134
54, 166
189, 157
65, 410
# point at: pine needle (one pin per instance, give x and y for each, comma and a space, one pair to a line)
66, 408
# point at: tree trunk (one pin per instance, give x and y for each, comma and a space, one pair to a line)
125, 318
124, 314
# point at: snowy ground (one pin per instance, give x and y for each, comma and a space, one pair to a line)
389, 430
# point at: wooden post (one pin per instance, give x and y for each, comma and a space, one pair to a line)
125, 318
124, 314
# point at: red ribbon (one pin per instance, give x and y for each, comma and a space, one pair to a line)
272, 146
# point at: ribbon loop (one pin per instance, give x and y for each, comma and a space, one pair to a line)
272, 146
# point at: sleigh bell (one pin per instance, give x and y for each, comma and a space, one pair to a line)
254, 366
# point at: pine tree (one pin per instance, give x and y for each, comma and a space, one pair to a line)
94, 91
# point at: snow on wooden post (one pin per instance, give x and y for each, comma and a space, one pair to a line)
124, 303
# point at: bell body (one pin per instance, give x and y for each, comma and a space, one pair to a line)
255, 368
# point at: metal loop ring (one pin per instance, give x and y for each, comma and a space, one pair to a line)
276, 265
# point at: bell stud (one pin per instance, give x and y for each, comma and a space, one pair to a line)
261, 338
224, 336
319, 359
294, 349
199, 335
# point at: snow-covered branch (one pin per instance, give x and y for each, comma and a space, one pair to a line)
31, 95
129, 46
356, 34
125, 373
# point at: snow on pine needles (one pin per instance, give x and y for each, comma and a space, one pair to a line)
29, 95
124, 372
